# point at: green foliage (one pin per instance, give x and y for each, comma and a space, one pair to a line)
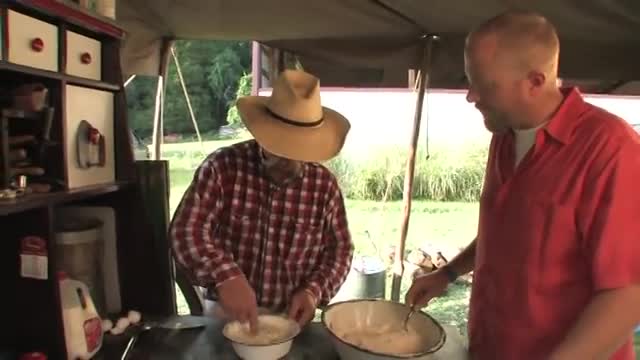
141, 97
244, 89
445, 176
210, 69
448, 174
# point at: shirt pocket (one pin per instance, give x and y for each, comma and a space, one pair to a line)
304, 243
551, 239
241, 230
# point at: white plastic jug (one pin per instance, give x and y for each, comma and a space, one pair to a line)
82, 324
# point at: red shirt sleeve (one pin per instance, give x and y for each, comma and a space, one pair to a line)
609, 218
335, 261
194, 246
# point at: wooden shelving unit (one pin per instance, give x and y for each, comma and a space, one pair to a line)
35, 201
74, 80
33, 321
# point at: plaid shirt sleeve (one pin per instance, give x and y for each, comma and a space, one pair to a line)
194, 246
335, 262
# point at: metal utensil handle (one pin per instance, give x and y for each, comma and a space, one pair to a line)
406, 319
130, 345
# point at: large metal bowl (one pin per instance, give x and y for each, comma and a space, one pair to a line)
360, 314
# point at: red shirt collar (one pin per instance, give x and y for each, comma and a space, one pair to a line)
564, 122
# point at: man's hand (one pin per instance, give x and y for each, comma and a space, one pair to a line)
303, 307
426, 287
238, 300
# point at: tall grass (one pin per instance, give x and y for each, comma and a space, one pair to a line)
447, 175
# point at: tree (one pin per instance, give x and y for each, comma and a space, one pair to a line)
211, 70
244, 89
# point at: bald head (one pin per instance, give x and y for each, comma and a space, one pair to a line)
525, 40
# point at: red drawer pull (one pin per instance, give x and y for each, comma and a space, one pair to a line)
94, 136
85, 58
37, 45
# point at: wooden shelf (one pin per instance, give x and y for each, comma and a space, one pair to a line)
99, 85
74, 80
19, 114
4, 65
33, 201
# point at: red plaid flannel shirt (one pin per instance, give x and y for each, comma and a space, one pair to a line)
233, 221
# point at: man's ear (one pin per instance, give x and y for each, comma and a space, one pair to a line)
536, 81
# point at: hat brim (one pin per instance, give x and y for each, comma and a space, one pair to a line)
312, 144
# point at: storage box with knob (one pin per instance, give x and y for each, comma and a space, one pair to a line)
32, 42
84, 56
89, 126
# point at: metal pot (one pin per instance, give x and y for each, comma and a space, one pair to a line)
366, 280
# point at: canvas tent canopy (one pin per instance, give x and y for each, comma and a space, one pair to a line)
374, 42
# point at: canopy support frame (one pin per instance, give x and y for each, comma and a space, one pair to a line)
423, 80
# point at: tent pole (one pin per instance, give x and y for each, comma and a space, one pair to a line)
398, 263
277, 64
165, 76
129, 80
256, 68
157, 121
186, 95
167, 44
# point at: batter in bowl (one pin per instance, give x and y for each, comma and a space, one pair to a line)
390, 340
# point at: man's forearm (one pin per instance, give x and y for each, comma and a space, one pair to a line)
197, 252
606, 323
464, 261
330, 274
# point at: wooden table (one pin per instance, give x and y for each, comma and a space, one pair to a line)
208, 344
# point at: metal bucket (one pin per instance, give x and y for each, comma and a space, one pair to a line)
366, 280
79, 253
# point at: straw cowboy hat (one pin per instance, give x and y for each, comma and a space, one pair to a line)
292, 123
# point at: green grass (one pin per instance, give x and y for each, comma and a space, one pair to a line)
451, 224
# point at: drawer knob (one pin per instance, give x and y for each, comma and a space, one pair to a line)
37, 45
85, 58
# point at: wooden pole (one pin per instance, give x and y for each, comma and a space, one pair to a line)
398, 263
186, 95
158, 135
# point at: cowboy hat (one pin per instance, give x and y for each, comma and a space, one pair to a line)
292, 123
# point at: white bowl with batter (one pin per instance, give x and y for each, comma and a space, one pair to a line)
372, 329
272, 340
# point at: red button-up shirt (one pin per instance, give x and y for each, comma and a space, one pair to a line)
555, 230
234, 221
